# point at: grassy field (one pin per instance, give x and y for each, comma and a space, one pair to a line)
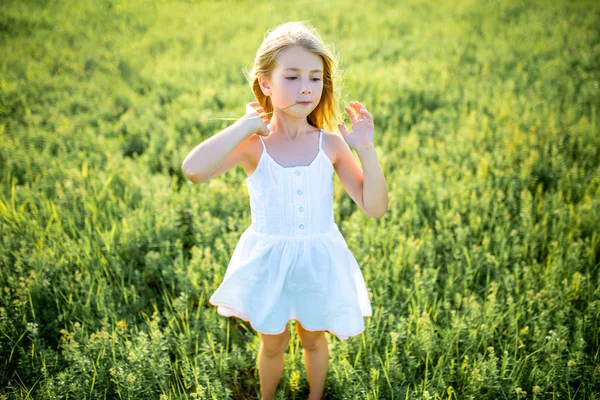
483, 274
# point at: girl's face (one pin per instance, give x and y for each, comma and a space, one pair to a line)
297, 77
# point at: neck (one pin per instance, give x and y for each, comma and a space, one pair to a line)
289, 126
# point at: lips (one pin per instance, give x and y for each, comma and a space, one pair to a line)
304, 102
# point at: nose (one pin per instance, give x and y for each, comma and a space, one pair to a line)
305, 87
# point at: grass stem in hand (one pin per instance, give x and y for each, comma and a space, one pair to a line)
257, 116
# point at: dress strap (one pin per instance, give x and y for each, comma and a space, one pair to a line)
262, 141
320, 136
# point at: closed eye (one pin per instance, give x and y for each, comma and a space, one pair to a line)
293, 77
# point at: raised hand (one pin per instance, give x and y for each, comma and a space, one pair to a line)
254, 110
362, 127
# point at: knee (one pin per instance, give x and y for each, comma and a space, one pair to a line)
311, 340
274, 345
315, 342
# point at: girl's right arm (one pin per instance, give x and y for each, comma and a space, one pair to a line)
224, 150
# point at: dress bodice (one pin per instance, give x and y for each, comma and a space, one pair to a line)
292, 201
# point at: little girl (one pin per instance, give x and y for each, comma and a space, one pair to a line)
292, 263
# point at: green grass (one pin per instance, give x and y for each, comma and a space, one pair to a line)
483, 273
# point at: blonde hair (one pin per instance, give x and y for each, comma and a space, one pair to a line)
301, 34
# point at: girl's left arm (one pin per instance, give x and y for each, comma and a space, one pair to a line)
375, 192
374, 188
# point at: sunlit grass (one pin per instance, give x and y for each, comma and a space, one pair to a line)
483, 273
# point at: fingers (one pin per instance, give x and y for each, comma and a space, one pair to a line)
263, 115
343, 130
361, 110
367, 114
350, 112
261, 111
358, 107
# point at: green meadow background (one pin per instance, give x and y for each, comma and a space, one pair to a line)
483, 274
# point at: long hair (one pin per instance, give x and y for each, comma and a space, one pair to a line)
301, 34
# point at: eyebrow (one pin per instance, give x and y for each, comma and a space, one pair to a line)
298, 69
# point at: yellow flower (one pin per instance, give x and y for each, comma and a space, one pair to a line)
122, 325
295, 380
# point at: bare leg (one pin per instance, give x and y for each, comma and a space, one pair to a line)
271, 359
316, 359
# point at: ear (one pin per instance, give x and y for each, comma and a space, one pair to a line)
264, 86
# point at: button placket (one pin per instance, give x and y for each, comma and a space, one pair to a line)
299, 211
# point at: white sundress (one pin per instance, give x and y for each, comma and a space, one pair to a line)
292, 262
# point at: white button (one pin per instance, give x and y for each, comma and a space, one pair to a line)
297, 172
301, 226
301, 209
299, 191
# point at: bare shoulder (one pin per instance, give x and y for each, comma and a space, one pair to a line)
246, 154
253, 150
333, 145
